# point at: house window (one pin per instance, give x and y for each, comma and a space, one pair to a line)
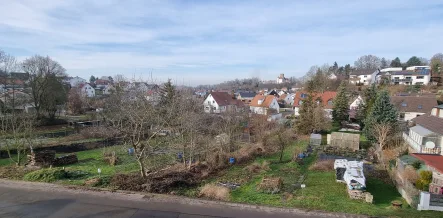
330, 102
420, 106
404, 104
364, 81
303, 95
213, 101
365, 76
420, 77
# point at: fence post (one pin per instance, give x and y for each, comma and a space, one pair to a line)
425, 198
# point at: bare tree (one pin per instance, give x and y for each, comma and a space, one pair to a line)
139, 123
75, 101
381, 131
18, 135
45, 77
285, 138
367, 62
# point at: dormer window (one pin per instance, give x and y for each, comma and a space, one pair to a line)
420, 106
303, 95
404, 104
330, 102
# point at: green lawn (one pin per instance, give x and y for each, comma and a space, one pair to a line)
322, 192
90, 161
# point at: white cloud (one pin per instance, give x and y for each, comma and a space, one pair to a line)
202, 40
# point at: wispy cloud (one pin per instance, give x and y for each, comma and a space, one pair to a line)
210, 41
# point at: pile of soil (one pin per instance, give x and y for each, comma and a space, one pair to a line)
166, 182
129, 182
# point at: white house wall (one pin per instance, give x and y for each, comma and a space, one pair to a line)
213, 106
356, 103
414, 79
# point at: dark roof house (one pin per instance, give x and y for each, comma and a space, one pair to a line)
419, 104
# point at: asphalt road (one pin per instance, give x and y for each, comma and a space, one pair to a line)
26, 201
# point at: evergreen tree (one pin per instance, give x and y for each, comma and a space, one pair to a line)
340, 111
92, 79
167, 93
368, 95
413, 61
396, 62
348, 69
382, 112
111, 80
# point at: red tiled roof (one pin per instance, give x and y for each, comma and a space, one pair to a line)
267, 100
224, 99
101, 82
325, 97
433, 160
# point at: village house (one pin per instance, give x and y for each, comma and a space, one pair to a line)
326, 99
109, 89
416, 75
363, 77
427, 134
264, 105
102, 84
246, 97
220, 102
76, 81
410, 107
286, 99
353, 107
87, 90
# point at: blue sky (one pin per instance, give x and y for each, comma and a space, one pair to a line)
205, 42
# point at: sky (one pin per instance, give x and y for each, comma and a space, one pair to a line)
206, 42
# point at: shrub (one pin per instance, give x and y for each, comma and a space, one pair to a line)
416, 164
215, 192
256, 167
424, 181
323, 165
46, 175
410, 174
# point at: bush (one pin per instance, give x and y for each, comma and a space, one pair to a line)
424, 181
256, 167
215, 192
323, 166
410, 174
46, 175
416, 164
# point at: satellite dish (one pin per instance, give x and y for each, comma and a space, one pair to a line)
430, 144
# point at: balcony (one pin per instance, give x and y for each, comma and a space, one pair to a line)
402, 80
420, 148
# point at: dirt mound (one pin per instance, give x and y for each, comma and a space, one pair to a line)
164, 183
129, 182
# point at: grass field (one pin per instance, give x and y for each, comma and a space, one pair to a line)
322, 192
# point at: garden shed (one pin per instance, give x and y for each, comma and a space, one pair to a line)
315, 139
345, 140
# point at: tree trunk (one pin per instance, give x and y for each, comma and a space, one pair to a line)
281, 153
142, 167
